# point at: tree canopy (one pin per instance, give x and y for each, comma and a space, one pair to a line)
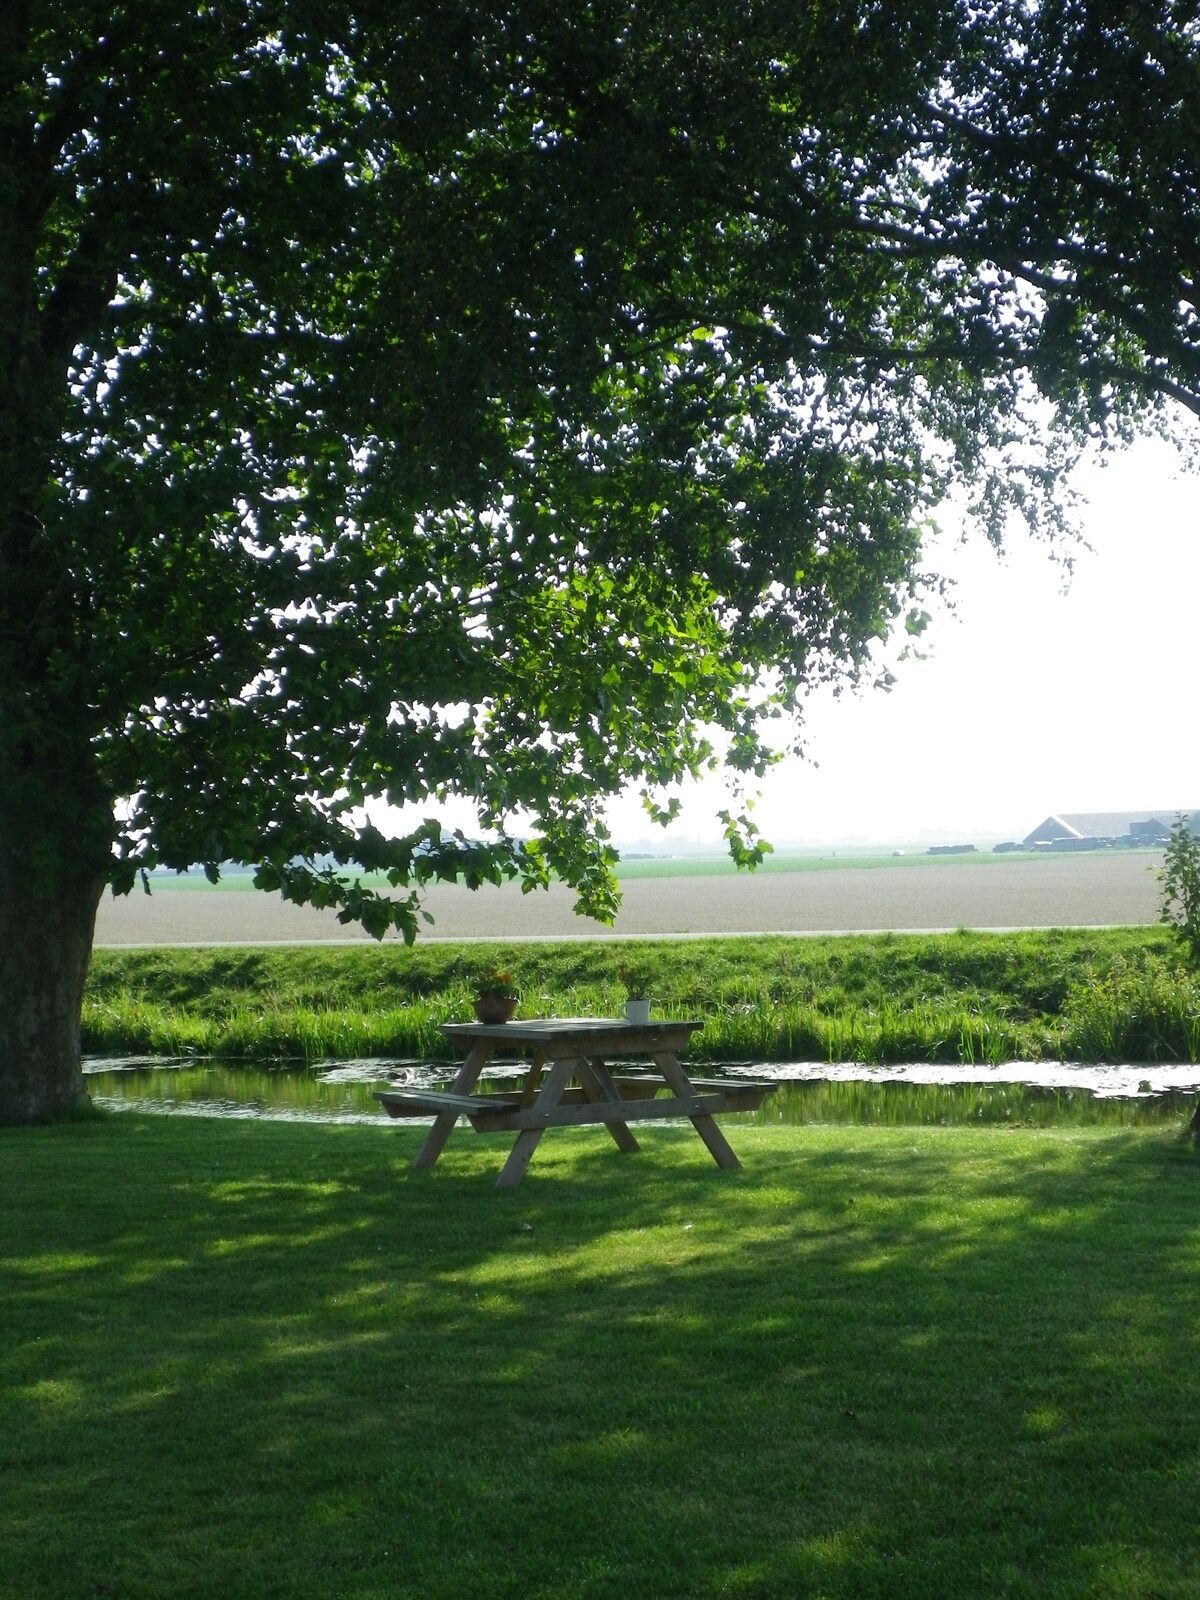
520, 402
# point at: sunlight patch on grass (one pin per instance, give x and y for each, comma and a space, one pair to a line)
56, 1393
1043, 1421
241, 1192
51, 1266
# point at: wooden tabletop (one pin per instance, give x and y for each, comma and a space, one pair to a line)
572, 1035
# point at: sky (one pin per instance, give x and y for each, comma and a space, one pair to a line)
1043, 693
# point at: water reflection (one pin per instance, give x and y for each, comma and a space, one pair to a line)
1031, 1094
1015, 1104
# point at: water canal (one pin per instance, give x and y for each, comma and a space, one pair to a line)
1036, 1094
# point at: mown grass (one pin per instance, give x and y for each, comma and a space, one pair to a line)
258, 1361
1075, 994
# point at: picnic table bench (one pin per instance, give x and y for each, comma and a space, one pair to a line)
568, 1084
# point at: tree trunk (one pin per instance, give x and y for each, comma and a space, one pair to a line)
46, 926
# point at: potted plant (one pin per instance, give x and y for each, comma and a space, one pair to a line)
637, 1004
495, 997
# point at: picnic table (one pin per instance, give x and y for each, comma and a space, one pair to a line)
568, 1084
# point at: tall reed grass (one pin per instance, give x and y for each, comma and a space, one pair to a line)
1147, 1011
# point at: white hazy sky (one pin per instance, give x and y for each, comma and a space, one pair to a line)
1039, 695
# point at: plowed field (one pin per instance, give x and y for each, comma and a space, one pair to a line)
1053, 891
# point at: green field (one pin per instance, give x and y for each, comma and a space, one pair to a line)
1075, 994
829, 860
718, 864
263, 1362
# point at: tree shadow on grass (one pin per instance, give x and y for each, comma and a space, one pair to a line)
258, 1361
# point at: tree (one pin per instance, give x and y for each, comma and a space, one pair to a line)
1180, 905
1180, 879
495, 400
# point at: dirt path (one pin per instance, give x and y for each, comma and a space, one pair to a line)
1058, 891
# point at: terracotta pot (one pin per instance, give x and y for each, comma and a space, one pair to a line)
495, 1008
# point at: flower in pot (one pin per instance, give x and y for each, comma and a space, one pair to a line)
637, 1003
495, 997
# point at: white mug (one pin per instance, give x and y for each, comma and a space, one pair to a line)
637, 1011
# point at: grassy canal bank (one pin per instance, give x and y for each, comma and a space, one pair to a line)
1099, 995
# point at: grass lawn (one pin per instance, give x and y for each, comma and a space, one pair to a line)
260, 1361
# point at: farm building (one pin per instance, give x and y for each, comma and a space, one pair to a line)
1080, 830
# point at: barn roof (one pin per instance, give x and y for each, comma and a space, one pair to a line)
1103, 824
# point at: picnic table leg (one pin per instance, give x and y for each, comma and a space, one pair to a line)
596, 1082
533, 1077
464, 1081
718, 1146
548, 1097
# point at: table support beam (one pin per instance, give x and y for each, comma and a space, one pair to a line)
443, 1124
718, 1146
519, 1156
596, 1082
